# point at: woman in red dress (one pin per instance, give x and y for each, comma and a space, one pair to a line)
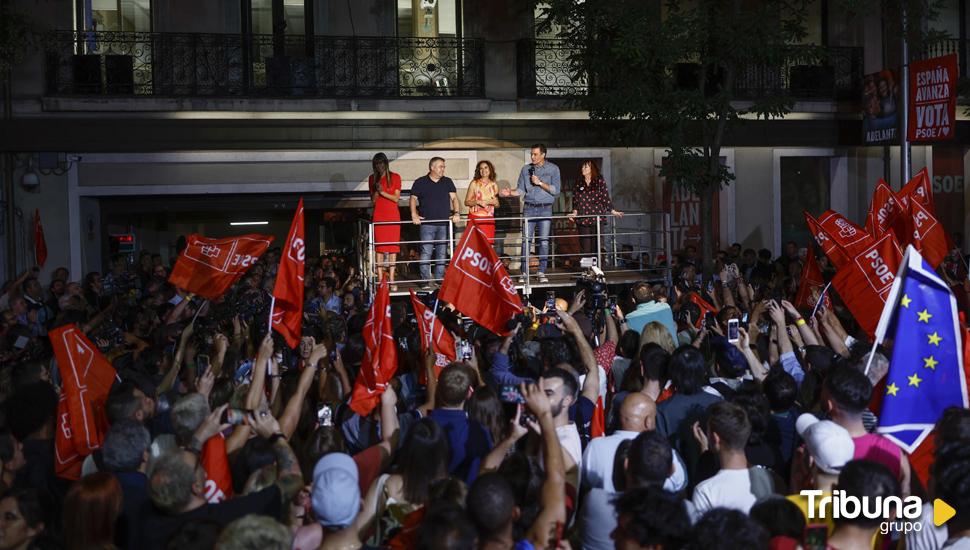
482, 198
385, 190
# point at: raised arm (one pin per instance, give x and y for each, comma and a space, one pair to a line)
291, 414
289, 478
591, 386
169, 380
805, 331
553, 494
257, 386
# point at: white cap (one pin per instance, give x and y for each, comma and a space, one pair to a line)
829, 444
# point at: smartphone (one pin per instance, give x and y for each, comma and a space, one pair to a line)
709, 320
234, 416
201, 364
402, 342
744, 318
732, 330
550, 302
816, 536
611, 302
21, 342
325, 416
511, 394
465, 349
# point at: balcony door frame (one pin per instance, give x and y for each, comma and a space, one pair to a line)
838, 184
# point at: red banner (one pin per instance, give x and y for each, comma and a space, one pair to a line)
87, 378
477, 284
864, 283
704, 306
933, 98
884, 210
686, 225
918, 189
811, 279
836, 255
380, 354
443, 341
929, 237
208, 267
287, 312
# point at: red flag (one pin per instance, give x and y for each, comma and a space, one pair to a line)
918, 189
215, 461
597, 426
87, 378
208, 267
810, 279
380, 354
929, 237
884, 210
477, 284
443, 342
705, 308
287, 312
848, 236
864, 284
40, 245
836, 255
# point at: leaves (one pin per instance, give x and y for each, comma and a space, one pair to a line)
17, 37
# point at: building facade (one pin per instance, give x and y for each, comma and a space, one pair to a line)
158, 118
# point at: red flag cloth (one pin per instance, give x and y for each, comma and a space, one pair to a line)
705, 308
864, 284
208, 267
929, 236
918, 189
848, 236
597, 426
87, 378
40, 244
478, 285
836, 255
215, 461
287, 312
884, 209
380, 354
810, 279
443, 342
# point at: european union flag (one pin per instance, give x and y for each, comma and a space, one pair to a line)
926, 369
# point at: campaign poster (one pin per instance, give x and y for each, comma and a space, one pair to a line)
949, 186
932, 98
880, 103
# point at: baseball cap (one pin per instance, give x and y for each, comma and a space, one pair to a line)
829, 444
336, 494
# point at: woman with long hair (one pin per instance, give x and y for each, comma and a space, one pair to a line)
385, 191
590, 197
482, 198
91, 510
421, 461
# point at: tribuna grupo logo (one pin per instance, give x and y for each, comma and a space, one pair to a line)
897, 514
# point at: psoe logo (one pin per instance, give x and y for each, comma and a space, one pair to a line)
897, 514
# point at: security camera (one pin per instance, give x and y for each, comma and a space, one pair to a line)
30, 180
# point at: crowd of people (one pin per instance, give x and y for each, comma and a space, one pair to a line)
590, 425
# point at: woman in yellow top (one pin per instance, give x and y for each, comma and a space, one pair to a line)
482, 198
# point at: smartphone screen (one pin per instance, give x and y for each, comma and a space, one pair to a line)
201, 364
816, 536
550, 301
732, 330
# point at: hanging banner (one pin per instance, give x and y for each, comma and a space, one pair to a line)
880, 114
933, 98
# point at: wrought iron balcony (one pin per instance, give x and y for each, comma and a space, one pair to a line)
231, 65
808, 73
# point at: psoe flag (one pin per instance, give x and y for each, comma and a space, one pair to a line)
926, 370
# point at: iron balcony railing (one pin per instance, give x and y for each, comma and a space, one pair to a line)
809, 72
948, 46
194, 64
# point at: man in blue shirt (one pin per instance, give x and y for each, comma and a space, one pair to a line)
539, 184
469, 440
650, 308
433, 197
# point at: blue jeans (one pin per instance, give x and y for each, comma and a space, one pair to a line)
433, 233
539, 227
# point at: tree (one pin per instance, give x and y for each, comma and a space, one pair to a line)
671, 70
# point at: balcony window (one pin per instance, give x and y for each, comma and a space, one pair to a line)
428, 18
113, 15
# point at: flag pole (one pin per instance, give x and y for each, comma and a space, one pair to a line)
272, 304
434, 317
872, 355
821, 298
198, 311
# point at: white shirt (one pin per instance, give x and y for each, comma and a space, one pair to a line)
599, 457
727, 489
930, 537
569, 439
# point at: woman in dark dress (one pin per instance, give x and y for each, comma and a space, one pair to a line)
385, 190
591, 197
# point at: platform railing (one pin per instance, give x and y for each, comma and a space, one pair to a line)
635, 246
